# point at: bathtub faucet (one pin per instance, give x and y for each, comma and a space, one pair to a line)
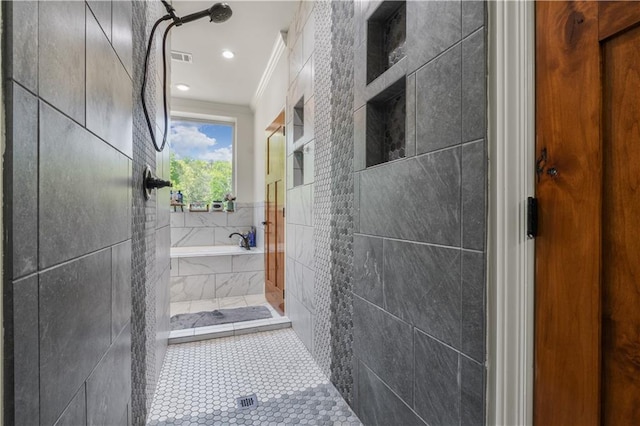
245, 240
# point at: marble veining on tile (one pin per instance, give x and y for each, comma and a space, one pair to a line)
239, 283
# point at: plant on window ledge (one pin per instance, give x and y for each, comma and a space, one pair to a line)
230, 199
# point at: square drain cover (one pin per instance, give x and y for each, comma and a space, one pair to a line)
250, 401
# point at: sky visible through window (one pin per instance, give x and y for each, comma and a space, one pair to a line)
202, 141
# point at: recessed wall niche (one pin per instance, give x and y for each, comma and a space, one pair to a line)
386, 118
298, 167
298, 119
386, 36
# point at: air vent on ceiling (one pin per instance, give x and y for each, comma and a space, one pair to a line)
181, 56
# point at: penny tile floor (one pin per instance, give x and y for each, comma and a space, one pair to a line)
201, 381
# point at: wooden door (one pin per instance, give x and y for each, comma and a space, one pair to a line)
587, 313
274, 214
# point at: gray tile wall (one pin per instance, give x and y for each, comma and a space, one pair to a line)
420, 225
70, 163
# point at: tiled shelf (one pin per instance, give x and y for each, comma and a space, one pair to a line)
386, 125
386, 37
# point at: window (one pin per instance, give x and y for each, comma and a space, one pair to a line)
201, 159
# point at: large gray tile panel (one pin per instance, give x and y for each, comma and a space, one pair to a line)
471, 393
385, 344
438, 103
473, 305
359, 139
473, 15
417, 199
24, 203
474, 90
432, 27
101, 9
109, 92
61, 61
437, 393
76, 412
85, 197
121, 287
25, 351
109, 386
422, 286
368, 268
24, 16
473, 195
122, 32
75, 328
380, 405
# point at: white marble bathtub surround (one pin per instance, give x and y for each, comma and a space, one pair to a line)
243, 216
205, 219
204, 265
221, 237
239, 284
177, 220
187, 237
174, 268
247, 262
193, 287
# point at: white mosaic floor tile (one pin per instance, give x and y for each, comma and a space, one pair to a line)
200, 382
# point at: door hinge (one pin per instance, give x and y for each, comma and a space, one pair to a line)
532, 217
283, 212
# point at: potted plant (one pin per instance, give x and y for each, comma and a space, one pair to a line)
230, 199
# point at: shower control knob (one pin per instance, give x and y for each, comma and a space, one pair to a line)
151, 182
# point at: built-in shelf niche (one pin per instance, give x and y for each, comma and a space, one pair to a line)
298, 167
386, 123
298, 119
386, 37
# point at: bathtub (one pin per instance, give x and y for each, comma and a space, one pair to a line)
209, 272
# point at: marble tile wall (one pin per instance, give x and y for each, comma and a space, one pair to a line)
300, 286
419, 307
68, 287
196, 229
208, 277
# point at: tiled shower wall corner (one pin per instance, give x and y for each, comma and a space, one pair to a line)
151, 226
68, 66
419, 243
300, 259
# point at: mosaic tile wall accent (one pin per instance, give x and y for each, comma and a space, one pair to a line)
151, 233
342, 39
323, 181
419, 243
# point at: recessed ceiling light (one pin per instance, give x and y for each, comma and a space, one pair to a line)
183, 87
228, 54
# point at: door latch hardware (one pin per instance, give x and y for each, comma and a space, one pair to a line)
532, 217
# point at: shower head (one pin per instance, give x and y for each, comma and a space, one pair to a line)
217, 13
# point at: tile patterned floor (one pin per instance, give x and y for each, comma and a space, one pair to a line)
200, 382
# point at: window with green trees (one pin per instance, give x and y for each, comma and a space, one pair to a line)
201, 159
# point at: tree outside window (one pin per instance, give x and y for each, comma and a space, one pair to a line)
201, 159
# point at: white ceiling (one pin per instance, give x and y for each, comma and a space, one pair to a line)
250, 33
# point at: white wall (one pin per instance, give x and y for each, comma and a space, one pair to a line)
270, 104
244, 144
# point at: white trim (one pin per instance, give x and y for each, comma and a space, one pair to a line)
511, 169
277, 50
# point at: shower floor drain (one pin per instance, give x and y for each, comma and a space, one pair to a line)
246, 402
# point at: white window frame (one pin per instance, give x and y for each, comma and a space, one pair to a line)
215, 119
